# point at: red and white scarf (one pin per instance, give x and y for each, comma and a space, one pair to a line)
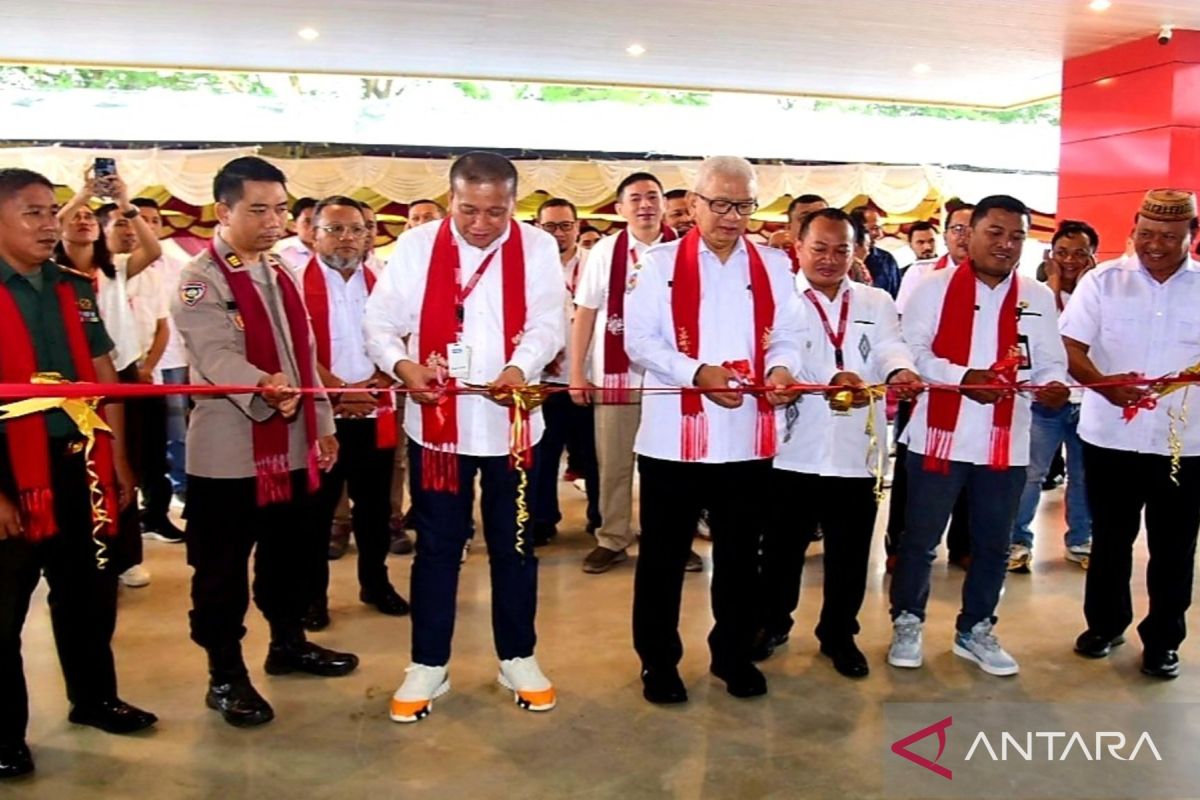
942, 262
953, 343
438, 329
616, 359
685, 313
270, 437
27, 437
316, 298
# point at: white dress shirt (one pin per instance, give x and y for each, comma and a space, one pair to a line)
1036, 326
146, 298
571, 271
293, 252
915, 273
813, 438
394, 312
726, 334
347, 305
175, 355
116, 310
1133, 323
592, 292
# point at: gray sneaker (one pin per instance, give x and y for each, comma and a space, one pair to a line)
907, 638
601, 559
982, 647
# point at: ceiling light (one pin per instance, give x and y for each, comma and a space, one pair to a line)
308, 34
921, 69
1100, 5
635, 49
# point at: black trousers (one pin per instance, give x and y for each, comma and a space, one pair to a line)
146, 419
366, 472
225, 524
1120, 486
673, 493
571, 427
958, 539
82, 600
845, 510
126, 549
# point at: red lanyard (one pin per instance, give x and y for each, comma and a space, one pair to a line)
571, 284
463, 293
839, 339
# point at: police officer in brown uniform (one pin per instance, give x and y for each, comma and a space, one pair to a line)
253, 460
49, 323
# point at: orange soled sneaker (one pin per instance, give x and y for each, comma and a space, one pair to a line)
531, 689
413, 701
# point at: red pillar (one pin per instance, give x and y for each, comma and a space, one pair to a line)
1130, 122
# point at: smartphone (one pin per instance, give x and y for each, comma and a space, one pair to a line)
102, 171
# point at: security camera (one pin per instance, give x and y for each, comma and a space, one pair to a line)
1164, 34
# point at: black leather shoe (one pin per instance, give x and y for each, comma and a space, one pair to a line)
387, 601
742, 680
239, 703
847, 659
663, 686
765, 644
544, 534
1161, 663
308, 657
317, 619
1096, 645
112, 716
15, 760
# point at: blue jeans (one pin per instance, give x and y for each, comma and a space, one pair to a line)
177, 414
992, 497
1049, 431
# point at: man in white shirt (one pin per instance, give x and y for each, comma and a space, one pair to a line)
980, 325
800, 207
706, 315
423, 211
1139, 318
297, 250
823, 471
956, 238
922, 240
677, 211
569, 426
472, 303
336, 286
598, 334
1072, 255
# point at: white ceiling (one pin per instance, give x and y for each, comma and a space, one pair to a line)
980, 52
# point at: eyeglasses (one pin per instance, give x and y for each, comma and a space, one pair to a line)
340, 231
722, 207
565, 227
958, 230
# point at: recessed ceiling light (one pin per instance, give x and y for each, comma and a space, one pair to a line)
1100, 5
635, 49
921, 69
308, 34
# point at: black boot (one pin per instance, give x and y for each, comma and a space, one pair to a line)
230, 690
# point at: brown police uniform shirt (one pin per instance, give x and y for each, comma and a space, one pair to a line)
219, 439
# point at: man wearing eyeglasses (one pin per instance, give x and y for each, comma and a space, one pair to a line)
568, 426
336, 287
708, 314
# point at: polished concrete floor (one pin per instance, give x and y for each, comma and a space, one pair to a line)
815, 735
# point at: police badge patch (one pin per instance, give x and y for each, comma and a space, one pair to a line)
192, 292
87, 310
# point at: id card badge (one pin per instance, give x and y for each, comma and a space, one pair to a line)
458, 357
1026, 353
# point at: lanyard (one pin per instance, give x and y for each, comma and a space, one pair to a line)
464, 292
840, 338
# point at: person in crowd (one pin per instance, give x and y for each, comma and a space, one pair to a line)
423, 211
706, 313
475, 301
254, 459
1073, 254
599, 332
568, 425
781, 240
49, 323
677, 211
822, 472
885, 272
295, 251
588, 236
371, 261
85, 248
800, 207
1134, 318
922, 240
336, 287
986, 328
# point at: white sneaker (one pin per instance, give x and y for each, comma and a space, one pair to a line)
982, 647
413, 701
531, 689
1081, 554
907, 642
135, 577
1019, 558
466, 552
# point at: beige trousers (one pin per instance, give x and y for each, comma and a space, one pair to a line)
616, 428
